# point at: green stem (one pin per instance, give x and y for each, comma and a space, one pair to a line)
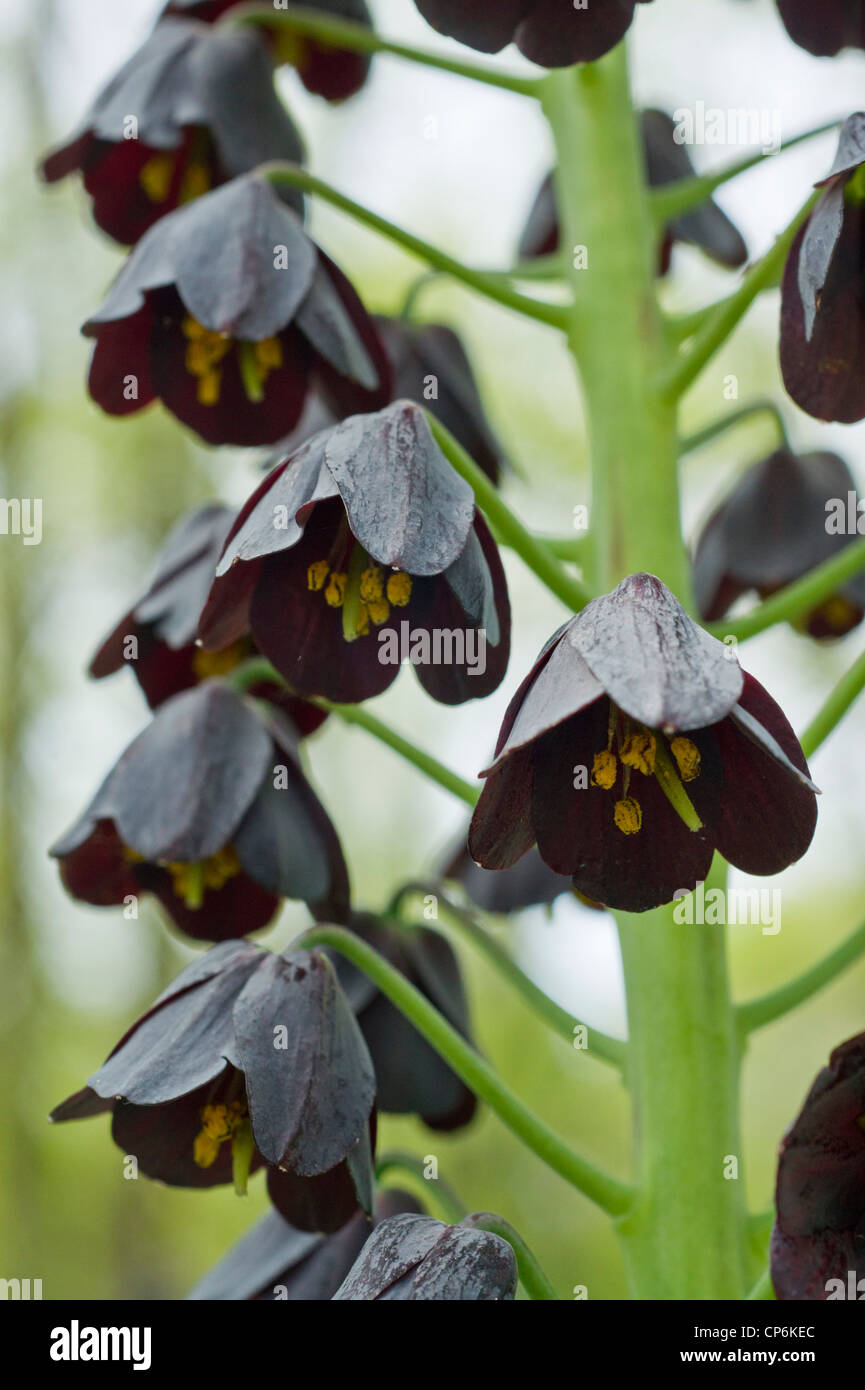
692, 442
757, 1013
616, 332
509, 531
260, 672
798, 598
685, 1237
600, 1045
720, 324
569, 548
607, 1192
848, 689
762, 1291
674, 199
396, 1161
532, 1277
357, 38
492, 287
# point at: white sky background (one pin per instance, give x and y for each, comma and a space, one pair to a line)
468, 190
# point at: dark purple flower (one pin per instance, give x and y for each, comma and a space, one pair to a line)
552, 33
156, 637
634, 749
247, 1059
528, 883
228, 313
772, 529
362, 549
667, 161
824, 27
818, 1244
328, 71
192, 108
429, 366
411, 1078
275, 1262
411, 1258
823, 293
208, 809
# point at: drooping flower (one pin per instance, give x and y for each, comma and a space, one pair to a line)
528, 883
275, 1262
228, 313
825, 28
550, 33
634, 749
667, 161
204, 109
325, 69
411, 1077
156, 637
818, 1244
208, 809
247, 1059
772, 529
823, 292
413, 1258
429, 366
361, 550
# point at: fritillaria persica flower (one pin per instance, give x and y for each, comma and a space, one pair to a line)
528, 883
228, 313
275, 1262
634, 749
818, 1244
823, 292
410, 1258
325, 69
156, 637
362, 550
205, 109
772, 529
666, 161
411, 1078
248, 1058
430, 366
824, 28
208, 809
549, 32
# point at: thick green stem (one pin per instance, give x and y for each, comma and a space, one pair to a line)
493, 287
615, 330
685, 1237
609, 1193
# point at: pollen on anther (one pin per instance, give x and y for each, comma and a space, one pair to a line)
628, 816
604, 770
687, 756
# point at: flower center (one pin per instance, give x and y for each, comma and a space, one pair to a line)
647, 753
206, 664
191, 881
364, 592
219, 1125
206, 350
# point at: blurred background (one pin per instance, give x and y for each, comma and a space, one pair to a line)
458, 164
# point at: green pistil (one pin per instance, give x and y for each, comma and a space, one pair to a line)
242, 1150
671, 785
351, 608
250, 372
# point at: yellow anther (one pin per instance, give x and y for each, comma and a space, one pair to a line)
268, 354
604, 770
316, 575
209, 385
638, 752
206, 664
189, 881
628, 816
191, 328
372, 584
378, 610
155, 177
687, 756
195, 182
399, 589
218, 1123
334, 594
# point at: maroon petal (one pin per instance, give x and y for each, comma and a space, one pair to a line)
501, 831
120, 378
162, 1139
239, 907
767, 818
